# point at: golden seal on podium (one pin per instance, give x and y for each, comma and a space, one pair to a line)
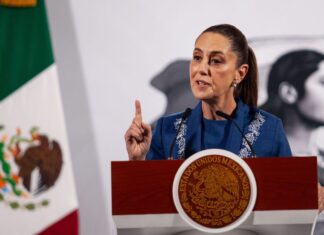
214, 190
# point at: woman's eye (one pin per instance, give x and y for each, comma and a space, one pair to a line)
214, 61
196, 58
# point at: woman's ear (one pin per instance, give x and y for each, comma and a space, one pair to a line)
241, 73
288, 93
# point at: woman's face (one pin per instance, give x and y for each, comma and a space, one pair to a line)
312, 104
213, 68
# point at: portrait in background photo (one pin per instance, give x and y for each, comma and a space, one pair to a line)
292, 88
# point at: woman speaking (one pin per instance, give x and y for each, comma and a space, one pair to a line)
224, 78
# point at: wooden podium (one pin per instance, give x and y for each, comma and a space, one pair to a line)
286, 202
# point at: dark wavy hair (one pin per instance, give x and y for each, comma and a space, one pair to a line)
247, 90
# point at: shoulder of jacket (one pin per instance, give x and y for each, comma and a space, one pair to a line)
268, 116
170, 118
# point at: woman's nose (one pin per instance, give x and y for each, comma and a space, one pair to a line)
204, 67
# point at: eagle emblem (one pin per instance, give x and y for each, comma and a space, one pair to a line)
29, 166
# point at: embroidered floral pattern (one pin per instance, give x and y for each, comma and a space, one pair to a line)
180, 139
252, 135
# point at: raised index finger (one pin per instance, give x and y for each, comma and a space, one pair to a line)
138, 111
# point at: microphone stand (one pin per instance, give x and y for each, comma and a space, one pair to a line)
228, 117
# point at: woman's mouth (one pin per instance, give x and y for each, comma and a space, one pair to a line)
202, 83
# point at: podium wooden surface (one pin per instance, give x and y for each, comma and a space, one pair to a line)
286, 196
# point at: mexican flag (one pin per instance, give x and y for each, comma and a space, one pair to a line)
37, 191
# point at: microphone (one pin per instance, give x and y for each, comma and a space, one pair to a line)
184, 116
228, 117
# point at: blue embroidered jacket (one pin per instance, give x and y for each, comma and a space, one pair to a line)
263, 130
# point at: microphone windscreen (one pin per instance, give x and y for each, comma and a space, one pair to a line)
224, 115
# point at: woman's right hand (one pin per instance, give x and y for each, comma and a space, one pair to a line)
138, 136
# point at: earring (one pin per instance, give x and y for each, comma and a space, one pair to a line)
234, 84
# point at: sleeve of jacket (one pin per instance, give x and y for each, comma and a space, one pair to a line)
281, 146
156, 151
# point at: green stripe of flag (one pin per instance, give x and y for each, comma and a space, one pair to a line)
25, 46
